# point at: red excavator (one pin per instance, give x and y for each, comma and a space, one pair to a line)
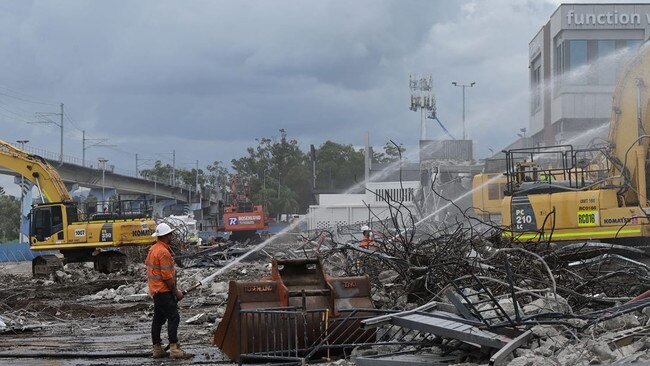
241, 217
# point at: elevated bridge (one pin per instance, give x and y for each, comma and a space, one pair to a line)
76, 173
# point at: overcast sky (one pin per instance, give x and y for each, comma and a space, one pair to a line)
205, 78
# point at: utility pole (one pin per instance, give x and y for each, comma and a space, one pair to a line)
136, 165
198, 191
22, 195
470, 85
173, 167
61, 154
366, 164
59, 124
98, 142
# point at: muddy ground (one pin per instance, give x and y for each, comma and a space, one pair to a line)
82, 317
77, 331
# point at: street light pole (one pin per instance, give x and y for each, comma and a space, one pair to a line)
22, 195
464, 86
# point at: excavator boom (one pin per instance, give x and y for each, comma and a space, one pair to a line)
35, 169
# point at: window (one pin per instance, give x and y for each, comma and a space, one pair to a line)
536, 88
559, 66
495, 191
41, 226
57, 219
578, 62
72, 213
593, 62
606, 63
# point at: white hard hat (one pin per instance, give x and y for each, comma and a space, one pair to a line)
365, 228
162, 229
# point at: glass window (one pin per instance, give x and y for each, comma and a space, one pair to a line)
41, 223
535, 84
558, 68
72, 213
495, 191
634, 44
606, 64
578, 62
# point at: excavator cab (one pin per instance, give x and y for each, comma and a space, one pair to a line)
49, 220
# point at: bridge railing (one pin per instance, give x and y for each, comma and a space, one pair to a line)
49, 155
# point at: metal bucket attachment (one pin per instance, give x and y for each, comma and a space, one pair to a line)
45, 265
282, 317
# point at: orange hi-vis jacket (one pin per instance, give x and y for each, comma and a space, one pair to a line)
160, 267
368, 243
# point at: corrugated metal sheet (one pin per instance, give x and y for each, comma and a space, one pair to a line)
446, 150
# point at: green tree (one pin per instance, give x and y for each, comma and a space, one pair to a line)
279, 165
163, 173
338, 166
219, 177
10, 213
159, 172
391, 153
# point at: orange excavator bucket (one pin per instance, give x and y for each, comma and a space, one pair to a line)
296, 307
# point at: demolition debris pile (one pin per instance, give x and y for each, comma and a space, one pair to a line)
451, 293
536, 302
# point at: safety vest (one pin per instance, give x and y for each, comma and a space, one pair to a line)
370, 244
160, 267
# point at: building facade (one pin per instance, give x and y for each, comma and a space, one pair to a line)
573, 63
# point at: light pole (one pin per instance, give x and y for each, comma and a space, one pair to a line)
22, 195
463, 86
103, 161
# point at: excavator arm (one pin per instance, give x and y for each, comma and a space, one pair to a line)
35, 169
629, 132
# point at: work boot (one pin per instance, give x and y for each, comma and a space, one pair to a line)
175, 351
159, 352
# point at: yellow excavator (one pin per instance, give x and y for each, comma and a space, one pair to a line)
562, 193
79, 233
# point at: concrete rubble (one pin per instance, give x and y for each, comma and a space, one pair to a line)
575, 314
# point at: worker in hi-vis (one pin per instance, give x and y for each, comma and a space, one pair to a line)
368, 242
161, 278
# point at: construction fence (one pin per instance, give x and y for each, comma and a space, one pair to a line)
18, 252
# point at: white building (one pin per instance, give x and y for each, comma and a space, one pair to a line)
344, 210
573, 64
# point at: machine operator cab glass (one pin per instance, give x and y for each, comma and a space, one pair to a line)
51, 219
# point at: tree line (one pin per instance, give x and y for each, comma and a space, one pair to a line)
10, 213
281, 174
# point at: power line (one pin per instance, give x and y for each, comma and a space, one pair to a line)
67, 116
15, 107
15, 114
33, 99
